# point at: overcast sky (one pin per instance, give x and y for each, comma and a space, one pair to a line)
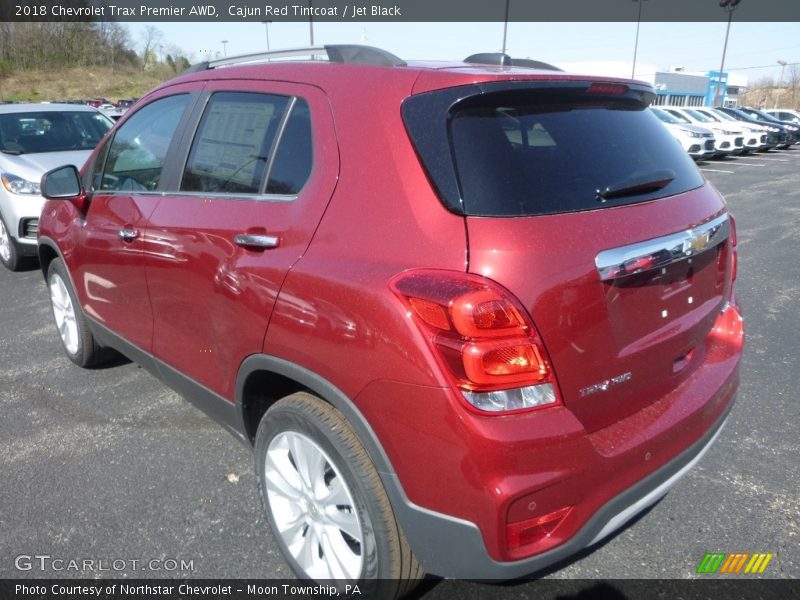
754, 49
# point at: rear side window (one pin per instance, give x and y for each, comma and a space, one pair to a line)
537, 150
250, 143
292, 164
135, 158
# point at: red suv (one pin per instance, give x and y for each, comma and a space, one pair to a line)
471, 317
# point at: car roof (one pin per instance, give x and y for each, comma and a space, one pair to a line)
364, 65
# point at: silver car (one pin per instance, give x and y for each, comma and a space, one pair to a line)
35, 138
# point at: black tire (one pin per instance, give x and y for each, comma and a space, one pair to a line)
79, 345
11, 258
388, 569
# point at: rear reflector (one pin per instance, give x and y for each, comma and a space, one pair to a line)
535, 530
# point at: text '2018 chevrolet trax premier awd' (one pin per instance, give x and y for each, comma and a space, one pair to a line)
472, 317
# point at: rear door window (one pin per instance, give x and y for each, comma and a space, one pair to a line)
250, 143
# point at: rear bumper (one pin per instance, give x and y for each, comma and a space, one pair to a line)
465, 486
454, 548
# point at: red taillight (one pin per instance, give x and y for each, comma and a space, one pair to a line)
483, 336
726, 338
484, 313
523, 363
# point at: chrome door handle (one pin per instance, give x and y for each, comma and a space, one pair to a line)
128, 235
248, 240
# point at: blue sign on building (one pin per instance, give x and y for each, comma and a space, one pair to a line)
717, 86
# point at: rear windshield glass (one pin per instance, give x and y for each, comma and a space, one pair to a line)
544, 153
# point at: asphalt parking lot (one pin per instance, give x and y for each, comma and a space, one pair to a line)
109, 464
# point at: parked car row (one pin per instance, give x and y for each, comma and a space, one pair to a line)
706, 132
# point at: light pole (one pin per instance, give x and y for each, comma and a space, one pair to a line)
728, 6
267, 25
310, 23
505, 27
636, 43
224, 47
783, 64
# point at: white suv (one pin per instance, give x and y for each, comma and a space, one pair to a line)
755, 136
35, 138
698, 141
729, 136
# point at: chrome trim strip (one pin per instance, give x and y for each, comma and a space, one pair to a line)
660, 252
205, 195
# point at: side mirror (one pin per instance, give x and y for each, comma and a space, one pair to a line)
63, 183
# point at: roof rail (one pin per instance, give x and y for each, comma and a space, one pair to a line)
351, 54
504, 60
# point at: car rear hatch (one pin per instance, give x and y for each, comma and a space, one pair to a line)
579, 202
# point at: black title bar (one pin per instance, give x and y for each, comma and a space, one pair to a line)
708, 588
397, 10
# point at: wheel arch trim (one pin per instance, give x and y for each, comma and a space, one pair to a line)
47, 242
420, 525
322, 388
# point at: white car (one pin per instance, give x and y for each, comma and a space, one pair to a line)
698, 141
755, 136
35, 138
768, 137
785, 114
729, 136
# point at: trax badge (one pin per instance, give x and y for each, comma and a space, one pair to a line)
604, 385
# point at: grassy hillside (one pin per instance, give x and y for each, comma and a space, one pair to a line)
79, 83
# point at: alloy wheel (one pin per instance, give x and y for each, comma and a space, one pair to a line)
5, 243
64, 312
313, 508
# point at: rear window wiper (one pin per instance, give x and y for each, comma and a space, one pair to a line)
640, 184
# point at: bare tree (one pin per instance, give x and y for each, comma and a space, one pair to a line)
151, 37
114, 38
793, 82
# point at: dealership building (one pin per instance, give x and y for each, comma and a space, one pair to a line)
678, 88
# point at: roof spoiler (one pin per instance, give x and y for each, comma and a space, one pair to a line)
504, 60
